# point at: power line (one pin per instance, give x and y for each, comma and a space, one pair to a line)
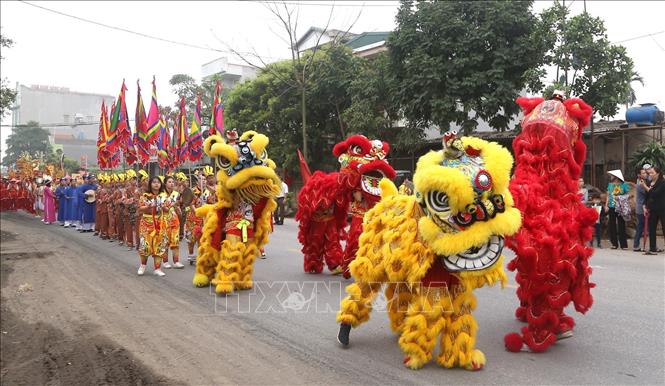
335, 4
639, 37
138, 33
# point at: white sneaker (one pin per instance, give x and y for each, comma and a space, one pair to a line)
141, 270
166, 265
178, 265
159, 272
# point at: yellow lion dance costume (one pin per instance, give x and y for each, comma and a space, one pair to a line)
237, 225
433, 248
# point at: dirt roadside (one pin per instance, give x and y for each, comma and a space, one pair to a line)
70, 316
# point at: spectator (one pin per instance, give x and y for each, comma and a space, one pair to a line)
655, 205
583, 191
643, 179
281, 208
597, 204
616, 189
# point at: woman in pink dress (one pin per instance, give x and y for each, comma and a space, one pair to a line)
49, 204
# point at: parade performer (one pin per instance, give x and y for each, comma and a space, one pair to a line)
102, 207
208, 194
71, 207
432, 249
191, 199
119, 209
237, 225
39, 198
49, 203
87, 193
110, 206
153, 241
551, 248
60, 197
323, 203
171, 221
131, 206
143, 186
5, 203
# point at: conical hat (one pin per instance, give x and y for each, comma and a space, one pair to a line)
616, 173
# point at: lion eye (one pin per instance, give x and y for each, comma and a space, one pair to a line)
223, 162
438, 201
357, 150
264, 154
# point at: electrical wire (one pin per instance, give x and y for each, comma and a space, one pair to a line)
639, 37
184, 44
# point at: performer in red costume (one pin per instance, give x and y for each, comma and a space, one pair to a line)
552, 253
323, 203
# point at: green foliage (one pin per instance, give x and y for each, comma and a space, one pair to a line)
590, 67
70, 165
7, 95
451, 59
185, 85
30, 138
334, 109
652, 153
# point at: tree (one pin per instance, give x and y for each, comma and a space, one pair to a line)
373, 110
271, 105
463, 61
588, 65
631, 97
185, 85
652, 153
302, 61
7, 95
30, 138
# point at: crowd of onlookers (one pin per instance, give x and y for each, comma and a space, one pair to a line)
643, 205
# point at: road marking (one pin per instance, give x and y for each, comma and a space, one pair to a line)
513, 286
293, 250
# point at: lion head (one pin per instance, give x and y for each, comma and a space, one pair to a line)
364, 162
243, 167
468, 210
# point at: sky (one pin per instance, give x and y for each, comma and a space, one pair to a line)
51, 49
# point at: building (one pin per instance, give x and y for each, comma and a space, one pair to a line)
317, 37
71, 117
231, 73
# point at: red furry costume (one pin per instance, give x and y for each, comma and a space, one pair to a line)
552, 256
323, 203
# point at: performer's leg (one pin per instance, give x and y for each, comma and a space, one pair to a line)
459, 337
399, 296
227, 269
355, 308
332, 252
421, 327
313, 247
622, 232
137, 231
129, 235
246, 268
208, 257
612, 224
351, 245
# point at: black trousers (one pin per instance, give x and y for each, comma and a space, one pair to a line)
615, 224
654, 218
280, 211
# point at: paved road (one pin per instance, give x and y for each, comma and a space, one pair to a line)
620, 341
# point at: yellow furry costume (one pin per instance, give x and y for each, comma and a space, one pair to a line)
433, 248
237, 225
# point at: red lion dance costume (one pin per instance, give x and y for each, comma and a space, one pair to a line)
551, 247
324, 202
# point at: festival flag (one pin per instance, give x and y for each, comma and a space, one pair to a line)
154, 120
102, 153
304, 168
195, 140
163, 145
181, 130
119, 128
217, 118
129, 149
141, 124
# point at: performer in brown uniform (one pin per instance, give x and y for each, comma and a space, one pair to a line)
102, 207
131, 206
119, 198
110, 205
